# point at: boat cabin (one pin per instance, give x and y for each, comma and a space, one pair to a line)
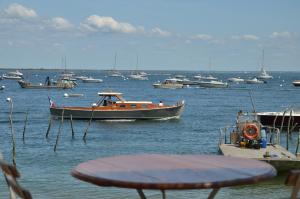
110, 100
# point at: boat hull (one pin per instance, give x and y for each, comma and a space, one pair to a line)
140, 114
36, 86
278, 119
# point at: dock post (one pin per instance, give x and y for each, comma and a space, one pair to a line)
288, 131
59, 129
298, 143
25, 124
72, 129
282, 121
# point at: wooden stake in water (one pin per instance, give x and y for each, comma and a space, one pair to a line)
25, 124
86, 130
49, 126
12, 131
59, 130
72, 129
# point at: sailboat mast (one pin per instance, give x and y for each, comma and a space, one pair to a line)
263, 58
115, 64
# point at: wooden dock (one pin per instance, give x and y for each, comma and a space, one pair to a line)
280, 158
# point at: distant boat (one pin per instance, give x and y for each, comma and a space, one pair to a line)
209, 77
168, 83
296, 82
137, 75
112, 106
213, 84
15, 73
81, 77
113, 72
60, 84
91, 80
254, 81
73, 95
236, 79
263, 75
12, 77
199, 77
2, 87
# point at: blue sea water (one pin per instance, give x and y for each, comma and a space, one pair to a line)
47, 173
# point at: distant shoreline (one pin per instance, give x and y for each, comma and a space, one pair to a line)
199, 71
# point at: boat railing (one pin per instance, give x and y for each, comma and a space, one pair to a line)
229, 135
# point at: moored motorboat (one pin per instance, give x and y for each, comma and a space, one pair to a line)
213, 84
12, 77
250, 139
236, 79
91, 80
296, 82
112, 106
254, 81
168, 83
15, 73
60, 84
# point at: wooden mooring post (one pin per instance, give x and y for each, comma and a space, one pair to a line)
59, 130
25, 124
86, 130
12, 131
72, 129
49, 126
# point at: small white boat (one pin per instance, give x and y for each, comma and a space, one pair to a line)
15, 73
2, 87
73, 95
12, 77
138, 76
236, 79
296, 83
91, 80
81, 77
254, 81
168, 83
209, 77
213, 84
199, 77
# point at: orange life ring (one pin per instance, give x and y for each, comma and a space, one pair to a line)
250, 131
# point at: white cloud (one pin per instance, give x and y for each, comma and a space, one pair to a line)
203, 37
19, 11
160, 32
285, 34
60, 23
95, 23
247, 37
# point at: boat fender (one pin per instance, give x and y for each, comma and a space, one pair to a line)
250, 131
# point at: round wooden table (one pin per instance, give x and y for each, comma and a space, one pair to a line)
177, 172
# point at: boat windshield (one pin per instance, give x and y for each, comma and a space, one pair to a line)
108, 100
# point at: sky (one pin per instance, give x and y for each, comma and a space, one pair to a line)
162, 34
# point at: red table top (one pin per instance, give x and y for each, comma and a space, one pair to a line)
153, 171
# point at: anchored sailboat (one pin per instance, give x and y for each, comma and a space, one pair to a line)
263, 75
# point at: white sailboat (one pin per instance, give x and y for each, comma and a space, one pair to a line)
136, 75
114, 72
263, 75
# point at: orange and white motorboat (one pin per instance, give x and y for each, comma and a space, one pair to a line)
111, 106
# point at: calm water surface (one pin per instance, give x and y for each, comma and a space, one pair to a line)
47, 174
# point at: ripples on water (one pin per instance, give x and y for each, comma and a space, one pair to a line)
47, 174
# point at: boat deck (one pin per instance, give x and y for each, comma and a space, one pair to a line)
280, 158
